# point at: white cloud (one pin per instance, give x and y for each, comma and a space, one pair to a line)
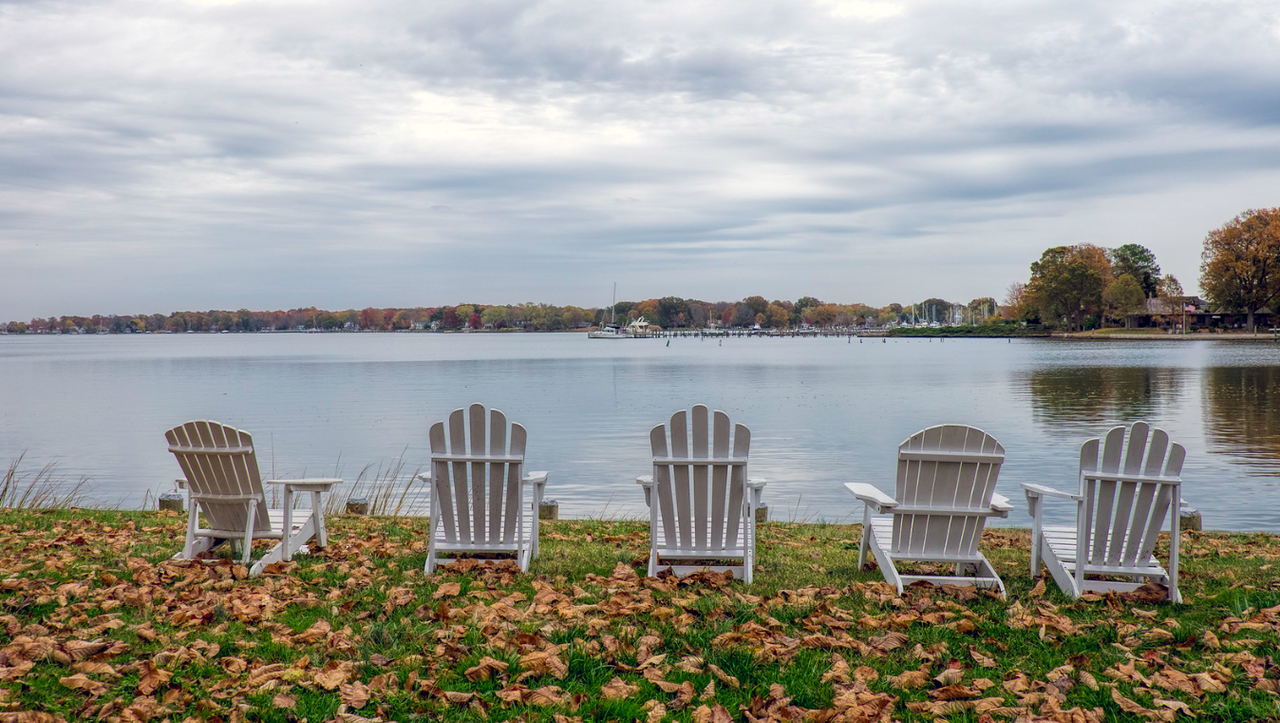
219, 154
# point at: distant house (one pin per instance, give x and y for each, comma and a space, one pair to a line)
1196, 311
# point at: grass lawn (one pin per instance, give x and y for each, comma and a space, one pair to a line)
97, 625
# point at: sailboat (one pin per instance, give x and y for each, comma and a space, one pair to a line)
635, 330
610, 330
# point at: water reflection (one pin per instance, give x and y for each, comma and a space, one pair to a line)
1080, 396
1242, 416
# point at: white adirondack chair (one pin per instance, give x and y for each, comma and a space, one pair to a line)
705, 506
1126, 488
477, 489
222, 481
945, 493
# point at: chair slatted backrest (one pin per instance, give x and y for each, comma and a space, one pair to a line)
700, 485
946, 476
1129, 480
219, 460
477, 477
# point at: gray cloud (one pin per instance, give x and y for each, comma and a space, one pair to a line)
222, 154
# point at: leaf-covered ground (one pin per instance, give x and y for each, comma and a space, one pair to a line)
96, 624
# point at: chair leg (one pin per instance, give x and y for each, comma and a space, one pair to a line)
322, 535
193, 521
1035, 503
248, 534
866, 537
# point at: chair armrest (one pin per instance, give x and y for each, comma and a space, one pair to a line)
1000, 505
871, 496
180, 483
317, 484
755, 485
535, 478
424, 476
646, 481
1034, 490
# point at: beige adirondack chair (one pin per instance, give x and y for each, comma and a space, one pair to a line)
945, 493
477, 484
1129, 481
221, 479
705, 503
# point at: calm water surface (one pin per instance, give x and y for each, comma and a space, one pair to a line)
822, 411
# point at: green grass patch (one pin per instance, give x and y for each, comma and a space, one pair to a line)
97, 623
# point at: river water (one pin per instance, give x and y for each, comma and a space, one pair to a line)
822, 411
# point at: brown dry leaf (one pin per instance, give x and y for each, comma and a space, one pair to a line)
888, 641
1130, 706
282, 700
1175, 705
839, 671
909, 679
458, 696
1038, 590
1088, 680
980, 658
950, 676
95, 668
234, 666
80, 682
547, 695
691, 664
715, 714
315, 633
448, 589
484, 669
544, 662
333, 675
150, 677
954, 692
618, 689
866, 673
709, 692
77, 650
724, 677
657, 712
1017, 684
355, 695
17, 670
1208, 683
624, 573
1209, 640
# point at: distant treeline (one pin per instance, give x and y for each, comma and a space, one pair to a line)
670, 312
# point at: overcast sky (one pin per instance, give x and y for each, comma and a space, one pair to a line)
157, 156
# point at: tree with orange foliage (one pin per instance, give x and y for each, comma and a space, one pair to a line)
1240, 265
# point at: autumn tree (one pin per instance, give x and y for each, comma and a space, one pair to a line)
449, 319
982, 308
671, 311
777, 316
494, 316
1124, 297
1137, 261
649, 310
757, 304
1169, 288
1067, 283
1240, 265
